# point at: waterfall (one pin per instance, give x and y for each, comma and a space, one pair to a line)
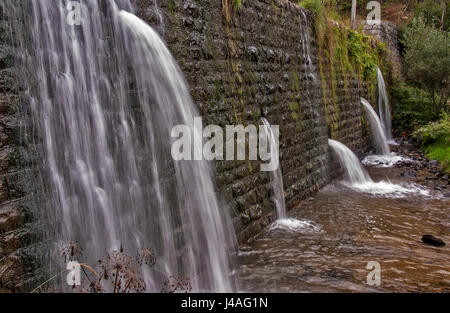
105, 95
357, 178
306, 45
385, 110
354, 172
378, 135
276, 178
276, 181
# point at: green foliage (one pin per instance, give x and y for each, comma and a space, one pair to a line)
435, 140
362, 53
411, 106
427, 60
440, 151
435, 132
345, 5
343, 53
171, 6
431, 11
315, 6
237, 4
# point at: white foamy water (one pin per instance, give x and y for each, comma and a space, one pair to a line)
383, 160
388, 189
378, 132
276, 177
359, 180
384, 107
354, 172
292, 224
392, 142
106, 96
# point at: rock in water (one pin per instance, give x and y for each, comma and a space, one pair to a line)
431, 240
434, 163
409, 173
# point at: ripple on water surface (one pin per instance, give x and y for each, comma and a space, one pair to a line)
339, 230
295, 225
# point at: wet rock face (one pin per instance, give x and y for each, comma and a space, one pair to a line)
409, 173
18, 235
263, 61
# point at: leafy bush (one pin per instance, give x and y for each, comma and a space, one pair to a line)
411, 108
346, 5
237, 4
427, 61
359, 47
431, 11
435, 140
315, 6
438, 131
441, 152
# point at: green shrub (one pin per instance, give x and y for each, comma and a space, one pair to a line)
360, 49
411, 108
237, 4
427, 61
315, 6
441, 152
435, 132
435, 140
346, 5
431, 11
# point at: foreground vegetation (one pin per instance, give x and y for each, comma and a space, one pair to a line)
435, 140
420, 104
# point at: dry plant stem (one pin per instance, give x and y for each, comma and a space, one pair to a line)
115, 281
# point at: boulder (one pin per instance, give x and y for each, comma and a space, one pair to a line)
409, 173
433, 241
434, 163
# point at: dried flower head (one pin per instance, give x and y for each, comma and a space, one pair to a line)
177, 284
145, 256
123, 271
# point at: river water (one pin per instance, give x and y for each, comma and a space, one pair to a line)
344, 230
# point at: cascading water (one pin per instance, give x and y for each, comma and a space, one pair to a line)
383, 106
378, 135
276, 176
354, 172
356, 177
306, 44
106, 95
276, 180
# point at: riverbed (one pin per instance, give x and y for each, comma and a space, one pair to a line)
345, 229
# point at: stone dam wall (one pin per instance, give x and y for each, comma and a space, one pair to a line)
387, 32
241, 65
262, 60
